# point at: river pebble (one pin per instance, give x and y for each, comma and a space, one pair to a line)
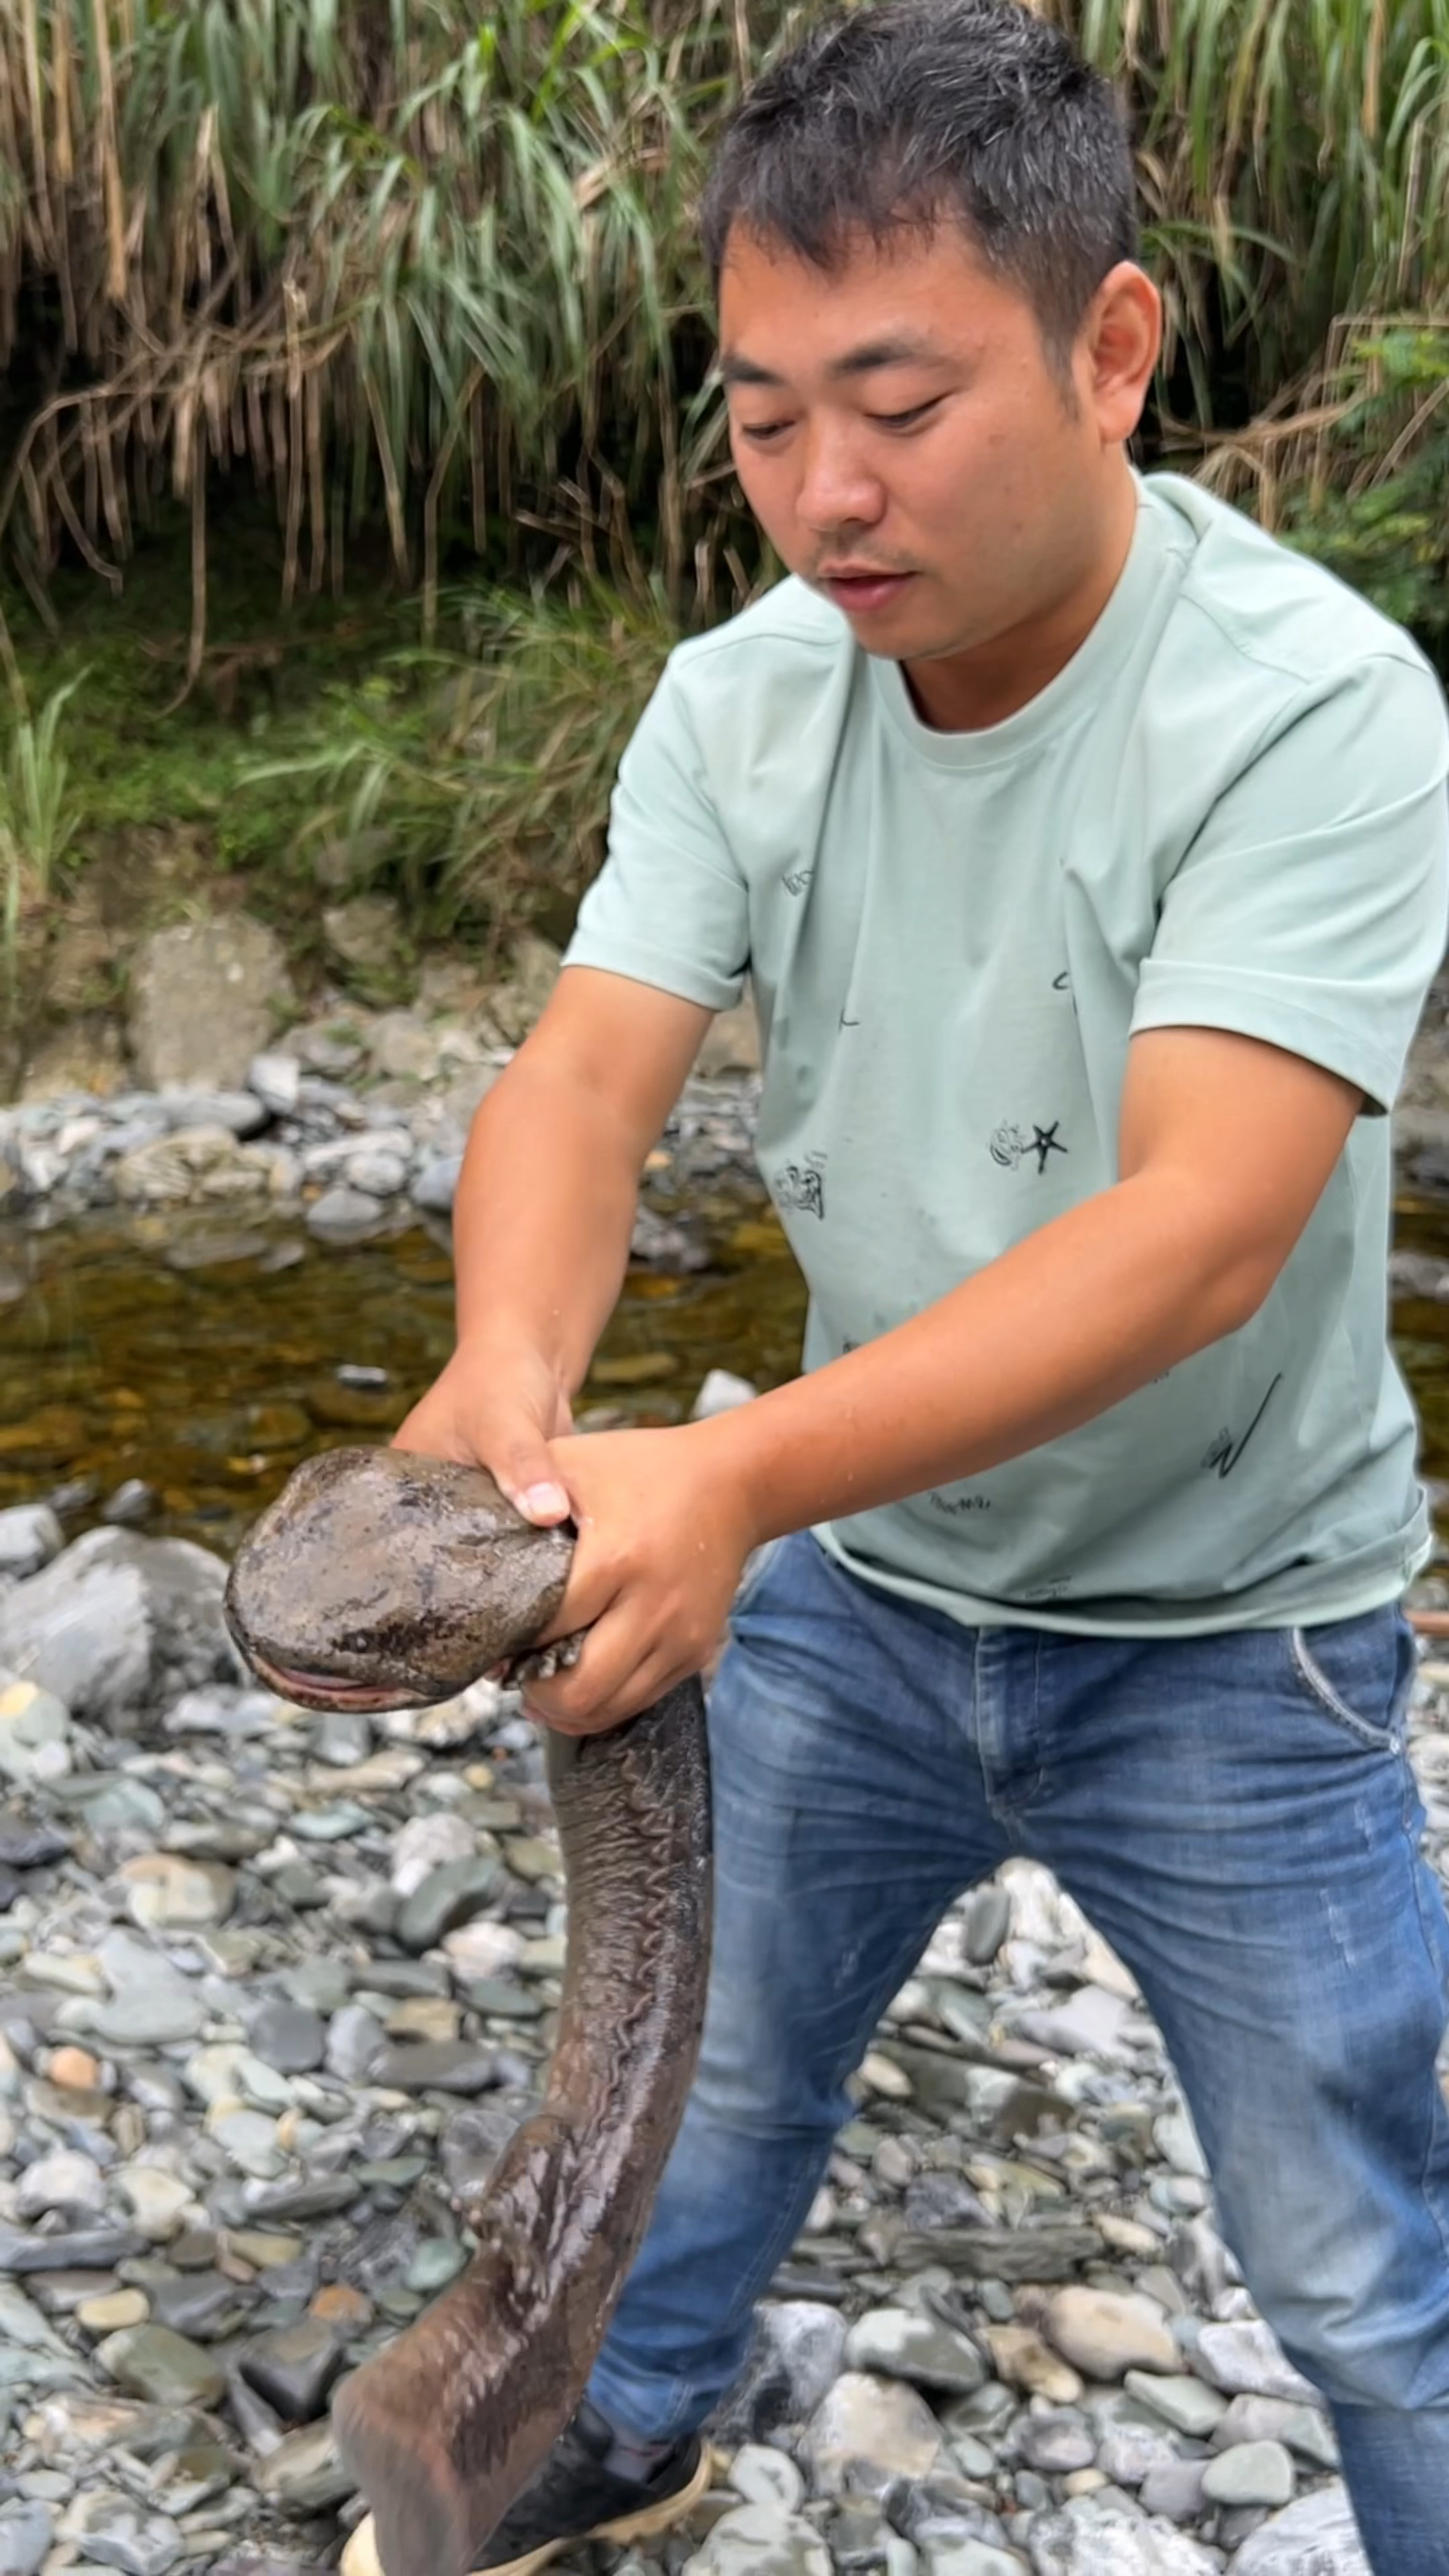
274, 1988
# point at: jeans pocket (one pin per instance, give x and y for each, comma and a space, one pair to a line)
1359, 1672
756, 1566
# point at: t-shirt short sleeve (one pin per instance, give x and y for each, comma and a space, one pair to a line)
1310, 910
670, 907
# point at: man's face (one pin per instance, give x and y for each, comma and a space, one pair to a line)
904, 442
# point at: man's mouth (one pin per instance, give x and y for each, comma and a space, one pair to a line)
861, 592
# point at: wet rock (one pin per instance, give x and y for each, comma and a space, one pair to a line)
447, 1897
73, 2249
917, 2348
201, 2305
157, 2364
761, 2540
304, 2472
294, 2368
30, 1845
25, 2535
166, 1893
276, 1078
1250, 2473
342, 1215
1058, 2443
970, 2558
119, 1623
766, 2477
869, 2431
1102, 2544
1245, 2359
1188, 2405
64, 2181
1317, 2536
1104, 2335
436, 1184
428, 1843
1301, 2429
35, 1731
355, 2040
30, 1535
289, 2037
194, 1163
113, 2533
441, 2066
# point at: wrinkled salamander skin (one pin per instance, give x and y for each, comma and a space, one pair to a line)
383, 1579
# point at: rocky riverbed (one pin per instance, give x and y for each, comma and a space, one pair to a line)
275, 1987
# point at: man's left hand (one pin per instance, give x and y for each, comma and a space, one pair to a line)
663, 1534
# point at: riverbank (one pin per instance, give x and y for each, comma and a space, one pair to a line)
274, 1990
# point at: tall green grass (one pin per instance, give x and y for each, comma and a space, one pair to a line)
441, 266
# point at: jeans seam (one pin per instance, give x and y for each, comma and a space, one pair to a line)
1416, 1873
1377, 1738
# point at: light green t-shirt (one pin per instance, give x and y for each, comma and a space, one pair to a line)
1228, 810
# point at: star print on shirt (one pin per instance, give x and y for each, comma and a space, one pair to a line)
1009, 1146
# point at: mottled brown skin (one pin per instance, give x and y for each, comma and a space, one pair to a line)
385, 1580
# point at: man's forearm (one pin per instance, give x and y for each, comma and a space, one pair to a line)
1065, 1325
542, 1220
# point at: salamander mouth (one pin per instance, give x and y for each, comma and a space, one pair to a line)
327, 1691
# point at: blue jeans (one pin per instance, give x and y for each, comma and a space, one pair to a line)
1237, 1817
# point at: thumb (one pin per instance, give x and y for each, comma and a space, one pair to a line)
527, 1475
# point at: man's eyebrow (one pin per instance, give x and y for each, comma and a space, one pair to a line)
900, 349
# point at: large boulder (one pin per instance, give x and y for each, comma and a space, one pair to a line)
205, 999
118, 1626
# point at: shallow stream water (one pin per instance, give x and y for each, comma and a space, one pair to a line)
205, 1362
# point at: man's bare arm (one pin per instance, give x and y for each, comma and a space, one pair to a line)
1225, 1147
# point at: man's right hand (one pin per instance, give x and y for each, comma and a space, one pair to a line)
497, 1409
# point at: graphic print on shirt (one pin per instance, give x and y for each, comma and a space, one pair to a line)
1009, 1145
801, 1186
797, 880
956, 1506
1223, 1454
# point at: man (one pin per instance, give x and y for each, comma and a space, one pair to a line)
1088, 854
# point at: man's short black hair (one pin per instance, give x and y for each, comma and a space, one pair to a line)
902, 114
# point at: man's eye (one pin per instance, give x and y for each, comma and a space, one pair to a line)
904, 419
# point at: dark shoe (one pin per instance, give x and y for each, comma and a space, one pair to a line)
576, 2497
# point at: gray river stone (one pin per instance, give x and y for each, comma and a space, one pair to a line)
1317, 2536
118, 1624
161, 2366
342, 1215
1244, 2359
761, 2540
294, 2367
1107, 2544
355, 2039
447, 1897
290, 2037
436, 1185
77, 2249
30, 1535
25, 2534
437, 2065
917, 2348
1250, 2473
305, 2472
114, 2533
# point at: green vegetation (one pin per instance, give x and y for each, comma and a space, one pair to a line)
357, 437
